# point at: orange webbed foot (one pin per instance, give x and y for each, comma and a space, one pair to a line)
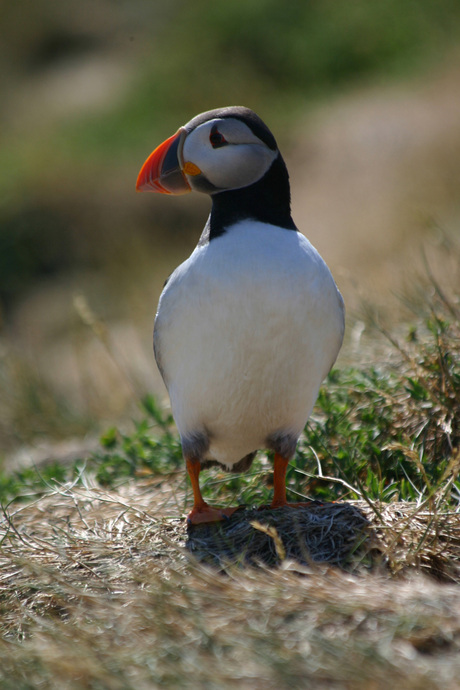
205, 513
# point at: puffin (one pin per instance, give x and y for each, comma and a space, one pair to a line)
248, 327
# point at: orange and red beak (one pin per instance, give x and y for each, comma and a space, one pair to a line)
162, 171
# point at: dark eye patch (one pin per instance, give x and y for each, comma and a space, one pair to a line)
216, 138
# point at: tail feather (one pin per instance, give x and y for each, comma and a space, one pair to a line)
242, 465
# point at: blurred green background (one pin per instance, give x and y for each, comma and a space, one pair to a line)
362, 96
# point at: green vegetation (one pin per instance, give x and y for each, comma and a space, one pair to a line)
388, 433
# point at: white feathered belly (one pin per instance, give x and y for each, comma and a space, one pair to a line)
246, 330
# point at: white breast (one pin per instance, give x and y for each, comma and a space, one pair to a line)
246, 330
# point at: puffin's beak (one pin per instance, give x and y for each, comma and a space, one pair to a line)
162, 171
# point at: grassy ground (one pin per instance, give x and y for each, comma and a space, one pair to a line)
102, 586
99, 591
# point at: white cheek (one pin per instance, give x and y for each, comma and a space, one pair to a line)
232, 166
239, 166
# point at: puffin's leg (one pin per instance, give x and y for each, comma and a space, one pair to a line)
201, 511
279, 484
279, 481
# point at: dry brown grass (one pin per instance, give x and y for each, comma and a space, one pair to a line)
99, 590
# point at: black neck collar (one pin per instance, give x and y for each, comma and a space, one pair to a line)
267, 201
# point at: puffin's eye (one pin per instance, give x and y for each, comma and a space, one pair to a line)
216, 138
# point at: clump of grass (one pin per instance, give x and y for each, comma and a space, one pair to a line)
141, 453
392, 431
317, 533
